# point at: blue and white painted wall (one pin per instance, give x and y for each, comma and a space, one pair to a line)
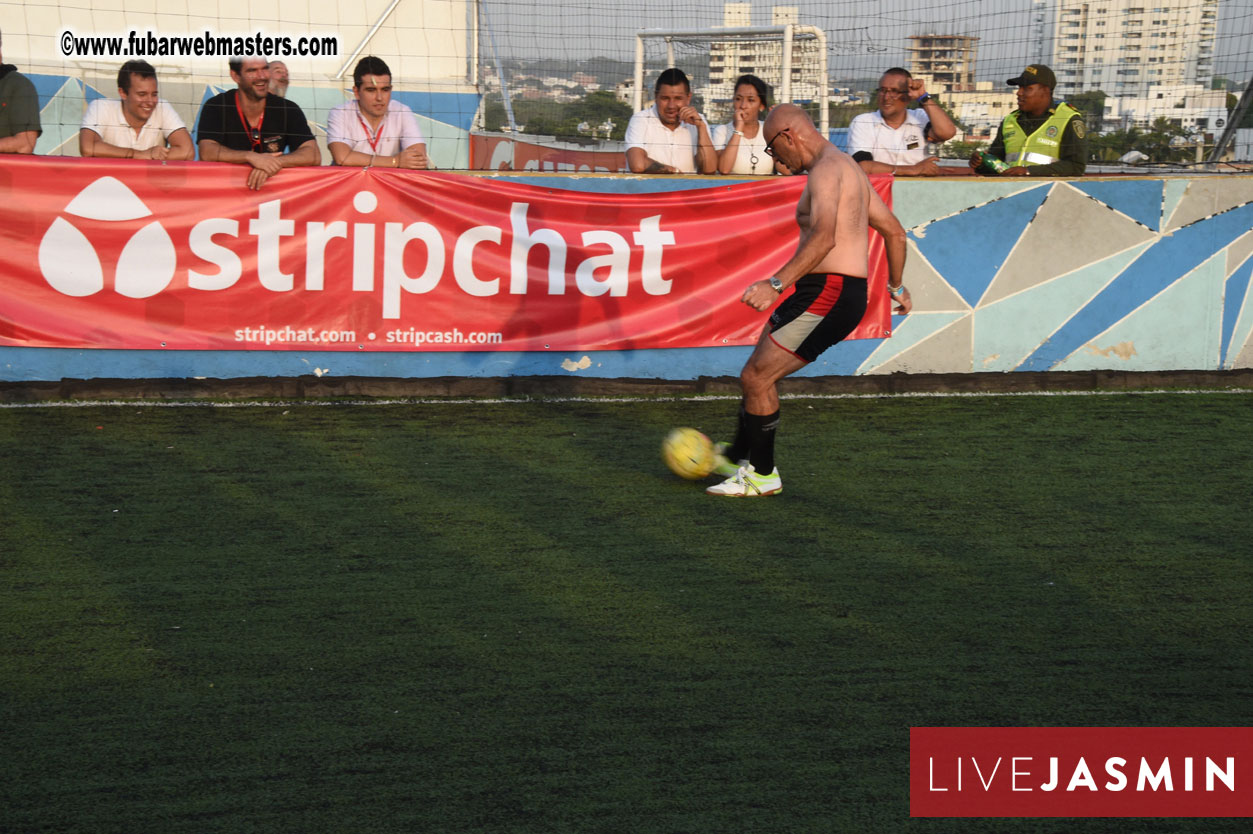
1121, 274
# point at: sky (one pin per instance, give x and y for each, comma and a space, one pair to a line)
864, 36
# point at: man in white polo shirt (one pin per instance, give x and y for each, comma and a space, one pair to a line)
138, 125
372, 129
893, 139
670, 137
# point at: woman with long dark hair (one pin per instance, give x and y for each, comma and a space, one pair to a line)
741, 143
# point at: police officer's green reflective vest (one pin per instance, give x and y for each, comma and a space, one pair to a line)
1041, 147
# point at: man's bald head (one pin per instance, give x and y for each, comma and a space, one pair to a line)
791, 136
788, 116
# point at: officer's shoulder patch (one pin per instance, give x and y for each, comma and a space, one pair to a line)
1079, 128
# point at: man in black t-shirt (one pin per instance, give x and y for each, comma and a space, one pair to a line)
249, 126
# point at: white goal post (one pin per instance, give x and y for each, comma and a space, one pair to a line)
785, 34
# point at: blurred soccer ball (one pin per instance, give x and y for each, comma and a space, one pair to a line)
688, 453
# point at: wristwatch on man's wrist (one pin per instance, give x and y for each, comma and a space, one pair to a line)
776, 284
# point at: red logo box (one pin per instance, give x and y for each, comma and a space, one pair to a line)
1080, 772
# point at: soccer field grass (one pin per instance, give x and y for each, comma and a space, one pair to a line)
509, 617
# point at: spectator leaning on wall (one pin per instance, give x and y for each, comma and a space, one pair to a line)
138, 124
1042, 138
19, 110
374, 128
893, 139
670, 137
251, 126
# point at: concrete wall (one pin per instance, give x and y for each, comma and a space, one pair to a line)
1122, 274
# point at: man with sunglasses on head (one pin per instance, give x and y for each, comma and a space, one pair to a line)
251, 126
893, 139
828, 272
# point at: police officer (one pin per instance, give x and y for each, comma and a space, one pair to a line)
1042, 138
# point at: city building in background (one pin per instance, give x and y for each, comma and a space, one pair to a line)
1126, 48
728, 60
980, 110
947, 60
1189, 106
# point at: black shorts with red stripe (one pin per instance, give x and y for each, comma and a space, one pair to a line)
822, 310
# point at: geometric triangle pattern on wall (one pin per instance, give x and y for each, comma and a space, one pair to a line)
1141, 200
1010, 330
1237, 313
1176, 329
968, 248
1172, 256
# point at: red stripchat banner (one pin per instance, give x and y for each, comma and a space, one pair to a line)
139, 255
1080, 771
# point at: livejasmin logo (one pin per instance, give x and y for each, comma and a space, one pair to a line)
148, 262
1080, 771
1023, 774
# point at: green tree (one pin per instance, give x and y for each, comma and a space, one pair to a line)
954, 149
1108, 147
539, 116
596, 109
494, 117
842, 113
1092, 105
1158, 143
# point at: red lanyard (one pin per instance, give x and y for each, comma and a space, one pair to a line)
374, 142
254, 133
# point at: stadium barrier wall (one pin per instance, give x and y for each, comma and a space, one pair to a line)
1091, 274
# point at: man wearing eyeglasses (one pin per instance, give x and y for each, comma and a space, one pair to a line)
893, 139
828, 272
251, 126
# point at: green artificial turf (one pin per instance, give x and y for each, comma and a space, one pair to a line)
462, 617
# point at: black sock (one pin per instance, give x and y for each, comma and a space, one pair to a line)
761, 428
738, 450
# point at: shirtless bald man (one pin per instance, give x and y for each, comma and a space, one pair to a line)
828, 269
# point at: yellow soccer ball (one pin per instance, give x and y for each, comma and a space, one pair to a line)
688, 453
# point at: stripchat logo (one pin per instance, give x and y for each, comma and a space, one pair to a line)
69, 261
480, 261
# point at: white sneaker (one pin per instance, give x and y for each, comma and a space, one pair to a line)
747, 483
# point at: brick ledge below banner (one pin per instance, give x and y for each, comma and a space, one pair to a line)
330, 387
